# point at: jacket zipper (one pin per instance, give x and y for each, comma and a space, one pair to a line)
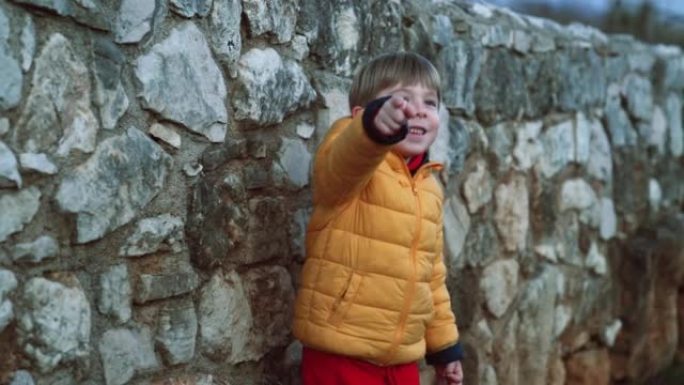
411, 284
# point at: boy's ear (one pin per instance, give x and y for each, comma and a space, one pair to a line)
356, 110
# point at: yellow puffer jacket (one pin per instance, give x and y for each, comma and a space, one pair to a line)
373, 284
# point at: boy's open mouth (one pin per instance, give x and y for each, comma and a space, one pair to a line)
417, 131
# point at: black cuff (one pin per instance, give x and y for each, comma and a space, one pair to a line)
368, 117
450, 354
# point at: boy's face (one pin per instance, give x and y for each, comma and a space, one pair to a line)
424, 124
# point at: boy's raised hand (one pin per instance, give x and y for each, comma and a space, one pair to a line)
450, 374
392, 115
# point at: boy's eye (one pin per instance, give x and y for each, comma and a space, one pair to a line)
431, 103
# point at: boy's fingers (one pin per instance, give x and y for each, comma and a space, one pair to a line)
397, 102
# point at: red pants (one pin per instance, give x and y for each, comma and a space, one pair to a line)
319, 368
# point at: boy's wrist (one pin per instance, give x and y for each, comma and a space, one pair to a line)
444, 356
373, 133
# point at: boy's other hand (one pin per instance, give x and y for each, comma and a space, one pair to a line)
392, 115
450, 374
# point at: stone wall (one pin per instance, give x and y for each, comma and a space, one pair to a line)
154, 186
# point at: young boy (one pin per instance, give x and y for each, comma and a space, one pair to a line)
372, 299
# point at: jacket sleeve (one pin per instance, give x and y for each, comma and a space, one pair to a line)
442, 334
345, 161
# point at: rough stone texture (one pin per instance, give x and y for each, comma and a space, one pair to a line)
477, 188
115, 293
181, 82
9, 173
176, 332
512, 213
110, 95
85, 12
124, 352
500, 284
134, 20
38, 163
54, 322
277, 17
270, 87
8, 282
225, 37
225, 319
43, 247
190, 8
57, 110
295, 161
562, 176
164, 232
17, 210
588, 367
105, 192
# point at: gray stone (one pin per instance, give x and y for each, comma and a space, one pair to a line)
462, 62
42, 248
655, 194
567, 232
299, 48
277, 17
528, 145
114, 297
38, 163
295, 160
4, 126
558, 143
270, 87
641, 60
164, 232
17, 209
562, 318
600, 162
9, 173
499, 285
522, 41
124, 352
638, 92
583, 84
267, 234
477, 188
335, 34
305, 130
582, 138
225, 319
619, 126
512, 213
166, 134
22, 377
442, 30
225, 36
655, 133
298, 230
108, 190
500, 91
176, 331
610, 333
110, 95
85, 12
180, 80
536, 327
58, 105
608, 224
271, 298
11, 79
482, 245
333, 91
497, 35
577, 194
8, 282
28, 43
4, 27
596, 261
673, 109
134, 20
54, 323
456, 228
150, 287
191, 8
500, 144
541, 43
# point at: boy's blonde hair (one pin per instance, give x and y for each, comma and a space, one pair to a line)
406, 68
